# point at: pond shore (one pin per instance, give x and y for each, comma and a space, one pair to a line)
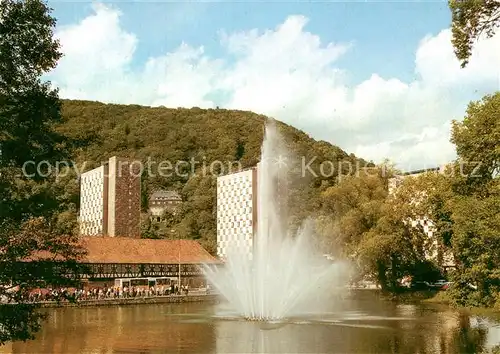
439, 298
412, 296
424, 296
132, 301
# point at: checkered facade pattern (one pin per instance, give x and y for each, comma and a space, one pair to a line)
92, 202
428, 228
235, 213
433, 251
110, 200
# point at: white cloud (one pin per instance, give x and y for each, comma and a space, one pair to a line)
181, 79
97, 52
287, 73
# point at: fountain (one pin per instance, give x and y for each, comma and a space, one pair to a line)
285, 277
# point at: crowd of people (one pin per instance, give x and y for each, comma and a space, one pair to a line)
110, 292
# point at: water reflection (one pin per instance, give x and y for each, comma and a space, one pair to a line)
415, 330
368, 325
144, 329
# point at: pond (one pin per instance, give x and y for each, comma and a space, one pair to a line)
359, 323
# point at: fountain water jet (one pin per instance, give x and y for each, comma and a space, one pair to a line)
284, 277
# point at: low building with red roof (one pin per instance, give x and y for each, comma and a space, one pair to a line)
125, 262
124, 250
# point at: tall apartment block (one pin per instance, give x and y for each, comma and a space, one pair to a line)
434, 251
110, 199
236, 212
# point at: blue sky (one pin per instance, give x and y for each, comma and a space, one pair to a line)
385, 34
378, 79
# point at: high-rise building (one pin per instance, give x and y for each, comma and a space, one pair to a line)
236, 212
434, 249
93, 207
110, 199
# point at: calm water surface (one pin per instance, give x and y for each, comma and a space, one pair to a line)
361, 323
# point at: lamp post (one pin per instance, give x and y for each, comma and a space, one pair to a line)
178, 258
179, 272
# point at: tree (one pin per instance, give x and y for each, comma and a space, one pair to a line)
31, 229
476, 243
353, 207
470, 20
428, 196
464, 204
392, 249
376, 228
350, 211
477, 140
476, 203
416, 200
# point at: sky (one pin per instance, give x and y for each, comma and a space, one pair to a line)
378, 79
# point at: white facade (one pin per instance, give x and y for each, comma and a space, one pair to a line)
163, 200
92, 202
432, 243
110, 200
156, 210
114, 172
235, 212
432, 247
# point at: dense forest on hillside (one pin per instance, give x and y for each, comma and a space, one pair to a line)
356, 216
201, 135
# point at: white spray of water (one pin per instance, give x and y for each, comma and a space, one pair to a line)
285, 277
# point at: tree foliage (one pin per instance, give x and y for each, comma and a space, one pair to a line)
197, 138
470, 20
36, 213
380, 229
475, 204
355, 204
374, 228
476, 139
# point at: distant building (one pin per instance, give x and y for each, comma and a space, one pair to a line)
434, 251
236, 212
398, 179
162, 200
93, 202
116, 255
110, 200
126, 262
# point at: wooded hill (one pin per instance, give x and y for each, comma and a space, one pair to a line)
205, 135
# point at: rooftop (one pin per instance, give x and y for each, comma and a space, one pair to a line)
102, 249
171, 195
437, 169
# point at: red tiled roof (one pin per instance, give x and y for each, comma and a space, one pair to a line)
132, 250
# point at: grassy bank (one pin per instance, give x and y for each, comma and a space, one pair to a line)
439, 298
411, 296
442, 298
